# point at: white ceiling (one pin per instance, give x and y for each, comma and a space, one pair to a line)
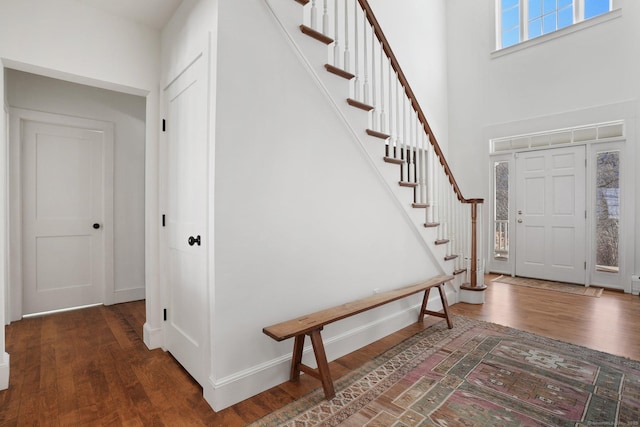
152, 13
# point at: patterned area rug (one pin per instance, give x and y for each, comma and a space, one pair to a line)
568, 288
477, 374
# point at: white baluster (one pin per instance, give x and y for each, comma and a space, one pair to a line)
433, 186
405, 134
325, 18
336, 28
393, 130
356, 69
416, 144
347, 54
374, 88
398, 122
365, 60
382, 115
314, 15
424, 153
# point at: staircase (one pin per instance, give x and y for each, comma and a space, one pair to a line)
343, 45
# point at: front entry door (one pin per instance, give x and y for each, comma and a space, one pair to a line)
187, 158
550, 214
65, 173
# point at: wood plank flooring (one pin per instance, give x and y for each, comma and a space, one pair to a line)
91, 368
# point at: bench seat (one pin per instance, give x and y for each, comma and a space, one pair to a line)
313, 323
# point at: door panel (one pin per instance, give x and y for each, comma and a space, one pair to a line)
187, 156
550, 214
63, 196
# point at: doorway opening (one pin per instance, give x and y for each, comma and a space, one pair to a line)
74, 174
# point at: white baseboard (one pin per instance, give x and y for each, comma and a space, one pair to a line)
127, 295
4, 372
229, 390
153, 338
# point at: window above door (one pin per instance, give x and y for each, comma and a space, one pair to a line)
518, 21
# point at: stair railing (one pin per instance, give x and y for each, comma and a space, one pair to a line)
361, 48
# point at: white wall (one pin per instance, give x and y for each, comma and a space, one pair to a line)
302, 221
584, 77
417, 33
127, 112
72, 41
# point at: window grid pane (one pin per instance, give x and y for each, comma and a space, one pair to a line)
595, 7
546, 16
510, 23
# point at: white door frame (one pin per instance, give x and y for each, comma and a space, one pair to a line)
17, 117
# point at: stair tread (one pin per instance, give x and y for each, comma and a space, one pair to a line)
408, 184
419, 205
450, 257
360, 105
377, 134
302, 2
339, 72
393, 160
431, 224
441, 241
316, 34
459, 271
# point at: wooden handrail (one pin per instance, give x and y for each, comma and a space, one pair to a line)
432, 139
412, 98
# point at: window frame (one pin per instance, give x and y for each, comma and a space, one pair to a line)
578, 18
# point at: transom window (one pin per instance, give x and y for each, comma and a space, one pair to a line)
521, 20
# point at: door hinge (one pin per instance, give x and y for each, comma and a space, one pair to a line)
585, 265
164, 125
165, 314
164, 223
585, 214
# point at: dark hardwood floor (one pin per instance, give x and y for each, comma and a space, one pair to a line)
90, 367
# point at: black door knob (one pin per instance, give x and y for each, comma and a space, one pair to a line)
193, 240
96, 226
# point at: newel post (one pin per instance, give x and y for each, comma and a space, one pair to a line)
472, 292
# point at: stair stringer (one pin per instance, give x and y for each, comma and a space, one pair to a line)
314, 55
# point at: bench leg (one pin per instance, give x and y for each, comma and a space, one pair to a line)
323, 366
445, 306
298, 346
425, 299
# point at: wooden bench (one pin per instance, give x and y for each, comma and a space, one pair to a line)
312, 324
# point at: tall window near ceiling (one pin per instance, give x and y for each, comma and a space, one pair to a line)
521, 20
607, 210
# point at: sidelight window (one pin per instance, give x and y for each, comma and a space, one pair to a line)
501, 210
607, 215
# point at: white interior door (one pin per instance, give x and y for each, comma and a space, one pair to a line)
65, 170
187, 219
551, 214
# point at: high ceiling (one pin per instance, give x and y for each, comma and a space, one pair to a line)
152, 13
